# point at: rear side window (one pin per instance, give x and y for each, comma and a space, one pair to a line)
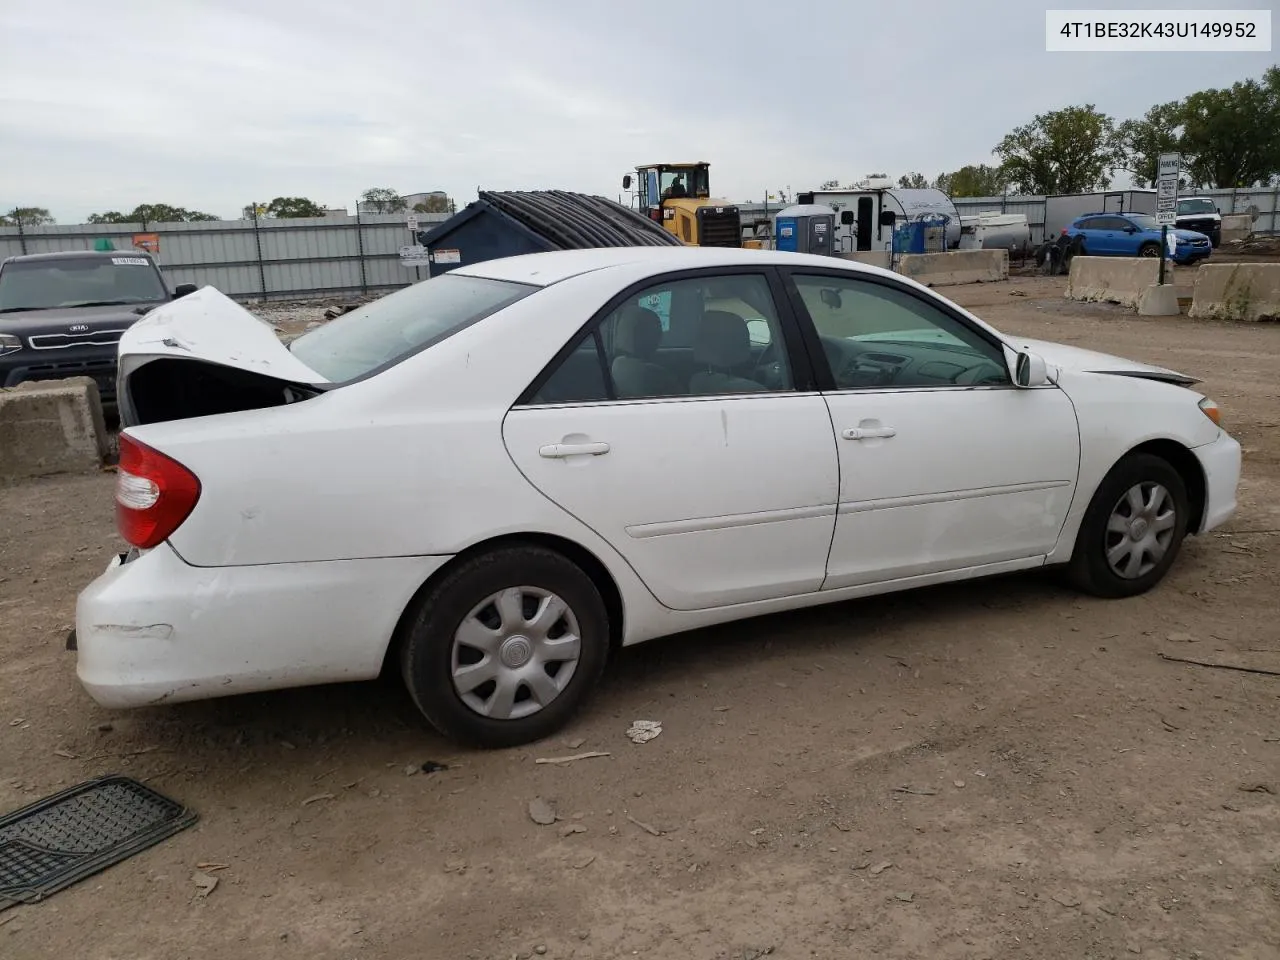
382, 333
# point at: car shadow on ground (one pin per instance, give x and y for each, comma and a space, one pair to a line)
379, 720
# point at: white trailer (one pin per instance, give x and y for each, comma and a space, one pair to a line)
1061, 209
866, 205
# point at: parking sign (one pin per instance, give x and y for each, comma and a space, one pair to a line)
1170, 169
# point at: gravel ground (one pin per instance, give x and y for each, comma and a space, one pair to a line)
1000, 769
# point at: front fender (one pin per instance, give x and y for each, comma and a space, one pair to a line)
1116, 414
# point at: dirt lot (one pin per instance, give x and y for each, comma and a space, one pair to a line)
1000, 769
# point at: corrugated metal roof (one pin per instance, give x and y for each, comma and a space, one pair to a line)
576, 221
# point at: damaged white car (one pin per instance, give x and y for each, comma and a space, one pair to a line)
490, 480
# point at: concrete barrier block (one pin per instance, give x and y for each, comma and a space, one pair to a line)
1120, 280
872, 258
1159, 300
1236, 226
1236, 291
51, 426
956, 266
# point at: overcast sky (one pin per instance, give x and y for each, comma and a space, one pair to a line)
210, 104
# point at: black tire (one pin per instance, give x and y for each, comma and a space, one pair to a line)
427, 645
1149, 250
1089, 569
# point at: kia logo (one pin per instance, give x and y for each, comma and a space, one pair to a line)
79, 328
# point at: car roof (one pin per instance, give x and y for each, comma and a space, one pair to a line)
544, 269
76, 255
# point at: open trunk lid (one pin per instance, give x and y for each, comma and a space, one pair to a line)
205, 354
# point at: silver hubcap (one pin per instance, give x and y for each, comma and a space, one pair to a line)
515, 652
1140, 530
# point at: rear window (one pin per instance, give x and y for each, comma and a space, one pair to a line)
381, 334
75, 282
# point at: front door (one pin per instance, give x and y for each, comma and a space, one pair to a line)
675, 430
944, 464
866, 219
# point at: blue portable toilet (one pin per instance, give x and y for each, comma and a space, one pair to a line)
805, 228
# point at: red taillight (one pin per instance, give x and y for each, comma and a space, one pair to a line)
154, 494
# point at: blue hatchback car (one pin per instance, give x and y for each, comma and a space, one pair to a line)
1134, 235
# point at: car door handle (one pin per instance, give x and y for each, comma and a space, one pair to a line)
558, 451
868, 433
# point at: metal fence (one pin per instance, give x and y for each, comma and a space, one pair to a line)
253, 259
1262, 204
331, 256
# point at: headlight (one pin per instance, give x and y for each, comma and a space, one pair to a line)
1210, 409
9, 343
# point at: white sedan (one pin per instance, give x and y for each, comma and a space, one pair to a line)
493, 478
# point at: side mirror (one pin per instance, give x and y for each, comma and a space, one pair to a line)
1030, 370
888, 218
182, 289
831, 298
847, 218
626, 182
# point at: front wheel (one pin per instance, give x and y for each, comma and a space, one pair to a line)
1132, 530
506, 648
1149, 250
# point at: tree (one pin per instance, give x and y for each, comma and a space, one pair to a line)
1231, 137
26, 217
1140, 142
383, 200
152, 213
913, 181
435, 203
1072, 150
973, 181
292, 207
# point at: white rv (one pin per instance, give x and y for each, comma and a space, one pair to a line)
867, 203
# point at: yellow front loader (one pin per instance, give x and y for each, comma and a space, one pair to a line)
678, 196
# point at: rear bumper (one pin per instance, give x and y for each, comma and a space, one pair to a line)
157, 630
1220, 461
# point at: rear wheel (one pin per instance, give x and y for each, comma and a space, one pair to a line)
1149, 250
506, 647
1132, 530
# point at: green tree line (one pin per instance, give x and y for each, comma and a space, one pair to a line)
1228, 137
380, 199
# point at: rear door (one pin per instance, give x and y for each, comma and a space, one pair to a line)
683, 427
1099, 237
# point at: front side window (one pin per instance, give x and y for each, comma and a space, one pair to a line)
393, 327
687, 338
1143, 221
879, 336
79, 282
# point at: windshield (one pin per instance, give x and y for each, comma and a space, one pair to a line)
1144, 221
50, 284
386, 331
683, 182
1199, 205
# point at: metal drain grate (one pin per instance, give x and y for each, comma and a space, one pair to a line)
62, 839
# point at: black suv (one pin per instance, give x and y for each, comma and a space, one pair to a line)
62, 314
